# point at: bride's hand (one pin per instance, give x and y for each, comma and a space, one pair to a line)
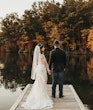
49, 72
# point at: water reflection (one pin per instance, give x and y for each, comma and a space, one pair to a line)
79, 72
76, 70
15, 72
90, 69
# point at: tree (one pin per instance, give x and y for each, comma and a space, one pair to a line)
68, 22
90, 40
77, 16
11, 27
31, 24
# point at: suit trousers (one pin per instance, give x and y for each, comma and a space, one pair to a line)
57, 78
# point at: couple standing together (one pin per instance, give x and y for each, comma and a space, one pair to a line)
38, 97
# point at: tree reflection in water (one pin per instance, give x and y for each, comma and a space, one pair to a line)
79, 73
16, 72
90, 68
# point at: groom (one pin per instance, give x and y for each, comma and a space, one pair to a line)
57, 62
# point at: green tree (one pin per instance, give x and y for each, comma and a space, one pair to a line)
11, 27
31, 24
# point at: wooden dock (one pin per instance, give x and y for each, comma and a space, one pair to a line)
70, 101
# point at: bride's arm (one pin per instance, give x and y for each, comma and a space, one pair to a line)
45, 63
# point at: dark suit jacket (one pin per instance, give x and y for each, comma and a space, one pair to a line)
57, 60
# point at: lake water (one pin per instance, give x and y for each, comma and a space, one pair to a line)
15, 75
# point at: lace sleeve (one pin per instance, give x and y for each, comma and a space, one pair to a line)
45, 62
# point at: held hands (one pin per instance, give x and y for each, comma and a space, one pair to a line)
49, 72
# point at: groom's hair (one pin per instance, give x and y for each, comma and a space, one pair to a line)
56, 43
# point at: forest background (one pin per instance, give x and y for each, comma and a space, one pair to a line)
70, 22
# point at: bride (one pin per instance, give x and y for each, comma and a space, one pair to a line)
38, 97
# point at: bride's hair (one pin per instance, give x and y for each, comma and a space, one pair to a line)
41, 46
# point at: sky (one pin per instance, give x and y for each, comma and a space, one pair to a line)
18, 6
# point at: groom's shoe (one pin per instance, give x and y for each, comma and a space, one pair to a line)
53, 96
61, 96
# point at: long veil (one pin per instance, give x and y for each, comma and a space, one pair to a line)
35, 61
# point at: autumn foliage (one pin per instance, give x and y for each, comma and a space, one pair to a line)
69, 22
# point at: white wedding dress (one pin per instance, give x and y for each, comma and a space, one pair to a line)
38, 97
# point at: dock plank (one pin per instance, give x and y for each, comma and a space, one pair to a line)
70, 101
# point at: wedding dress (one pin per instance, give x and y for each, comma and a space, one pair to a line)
38, 97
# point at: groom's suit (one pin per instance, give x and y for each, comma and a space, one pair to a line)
57, 63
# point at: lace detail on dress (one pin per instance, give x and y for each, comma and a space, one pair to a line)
38, 97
